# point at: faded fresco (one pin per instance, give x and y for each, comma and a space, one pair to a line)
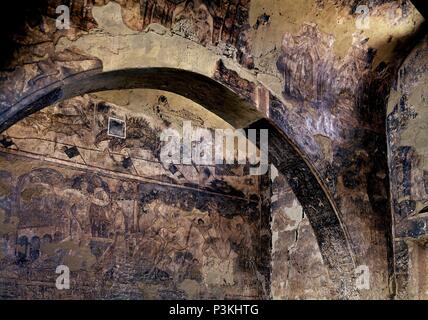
408, 154
125, 225
343, 98
298, 270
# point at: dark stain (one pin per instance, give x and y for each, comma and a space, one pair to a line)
424, 210
371, 53
261, 20
6, 142
127, 163
103, 107
172, 168
225, 187
71, 152
405, 156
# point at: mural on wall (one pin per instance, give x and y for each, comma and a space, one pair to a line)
75, 131
126, 225
129, 227
304, 65
407, 141
123, 239
222, 25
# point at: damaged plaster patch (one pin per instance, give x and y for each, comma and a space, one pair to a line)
273, 173
120, 47
109, 19
298, 270
217, 271
294, 214
163, 106
326, 146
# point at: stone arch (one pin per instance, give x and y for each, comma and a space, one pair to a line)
241, 104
